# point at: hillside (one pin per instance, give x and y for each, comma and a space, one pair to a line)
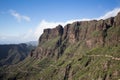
13, 53
85, 50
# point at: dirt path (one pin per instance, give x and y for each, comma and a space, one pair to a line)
107, 56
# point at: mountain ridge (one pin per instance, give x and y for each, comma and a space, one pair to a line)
73, 34
14, 53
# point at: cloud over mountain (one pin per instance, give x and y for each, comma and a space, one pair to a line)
111, 13
45, 24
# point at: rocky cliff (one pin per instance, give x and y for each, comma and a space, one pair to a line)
83, 50
90, 34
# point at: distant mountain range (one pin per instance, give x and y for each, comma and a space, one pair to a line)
14, 53
32, 43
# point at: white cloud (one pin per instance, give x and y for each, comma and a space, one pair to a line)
19, 17
109, 14
26, 18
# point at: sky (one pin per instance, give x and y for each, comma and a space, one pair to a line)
24, 20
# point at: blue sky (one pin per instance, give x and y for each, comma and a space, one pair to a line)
24, 20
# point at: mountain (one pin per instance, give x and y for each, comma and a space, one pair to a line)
83, 50
13, 53
32, 43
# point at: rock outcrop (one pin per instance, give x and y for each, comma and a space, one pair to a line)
49, 42
50, 34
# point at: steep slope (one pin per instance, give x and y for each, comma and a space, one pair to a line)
85, 50
13, 53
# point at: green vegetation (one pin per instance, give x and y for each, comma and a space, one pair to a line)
96, 33
50, 43
83, 67
108, 50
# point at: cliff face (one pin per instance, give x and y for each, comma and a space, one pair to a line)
91, 33
85, 50
51, 34
49, 42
